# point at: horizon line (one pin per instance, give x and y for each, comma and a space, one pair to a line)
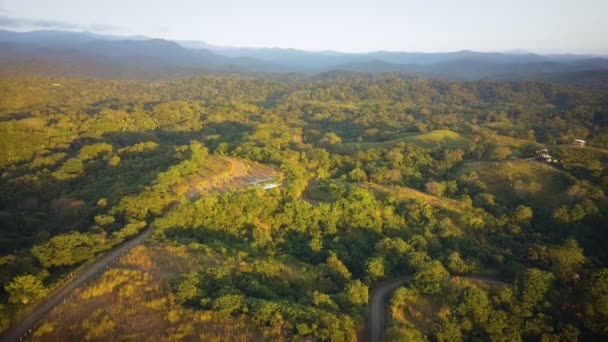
219, 47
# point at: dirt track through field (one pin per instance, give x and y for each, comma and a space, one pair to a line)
25, 328
241, 175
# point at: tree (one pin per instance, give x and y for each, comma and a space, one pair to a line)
566, 259
357, 293
25, 289
449, 332
596, 302
432, 278
104, 220
114, 161
337, 267
229, 304
69, 249
474, 305
435, 188
375, 267
357, 175
404, 333
533, 287
188, 288
522, 214
456, 264
332, 138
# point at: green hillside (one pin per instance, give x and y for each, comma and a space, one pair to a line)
431, 139
523, 181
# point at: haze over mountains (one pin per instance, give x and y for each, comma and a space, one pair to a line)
88, 54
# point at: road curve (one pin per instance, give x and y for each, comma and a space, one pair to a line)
25, 327
376, 320
378, 301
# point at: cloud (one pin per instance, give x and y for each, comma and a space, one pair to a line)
25, 23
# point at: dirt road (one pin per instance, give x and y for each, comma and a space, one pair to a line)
378, 311
24, 328
378, 302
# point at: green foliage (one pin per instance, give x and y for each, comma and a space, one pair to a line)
229, 304
436, 171
456, 264
337, 267
357, 293
566, 259
375, 268
533, 288
431, 278
522, 214
69, 249
475, 305
596, 302
332, 138
408, 333
25, 289
357, 175
188, 288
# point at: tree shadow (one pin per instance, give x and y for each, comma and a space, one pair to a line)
35, 204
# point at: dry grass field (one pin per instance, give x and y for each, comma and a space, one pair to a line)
133, 301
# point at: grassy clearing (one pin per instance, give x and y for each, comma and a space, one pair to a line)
133, 301
511, 142
512, 181
424, 313
403, 192
417, 310
314, 195
431, 139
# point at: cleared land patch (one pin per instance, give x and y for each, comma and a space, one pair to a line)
133, 301
239, 173
403, 192
512, 181
431, 139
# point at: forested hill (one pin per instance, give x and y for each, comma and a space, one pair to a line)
380, 176
82, 54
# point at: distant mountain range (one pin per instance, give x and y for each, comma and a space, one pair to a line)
89, 54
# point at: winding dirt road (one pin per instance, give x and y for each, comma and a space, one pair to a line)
378, 302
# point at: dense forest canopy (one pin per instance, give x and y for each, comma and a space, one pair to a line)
381, 176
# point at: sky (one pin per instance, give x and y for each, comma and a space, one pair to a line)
548, 26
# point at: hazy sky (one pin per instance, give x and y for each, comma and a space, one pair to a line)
579, 26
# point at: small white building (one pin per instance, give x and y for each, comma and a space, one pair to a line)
579, 142
270, 186
544, 155
266, 183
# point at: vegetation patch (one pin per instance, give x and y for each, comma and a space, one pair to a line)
133, 300
432, 139
521, 181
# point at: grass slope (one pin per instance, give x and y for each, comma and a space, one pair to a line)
132, 300
514, 180
423, 139
403, 192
